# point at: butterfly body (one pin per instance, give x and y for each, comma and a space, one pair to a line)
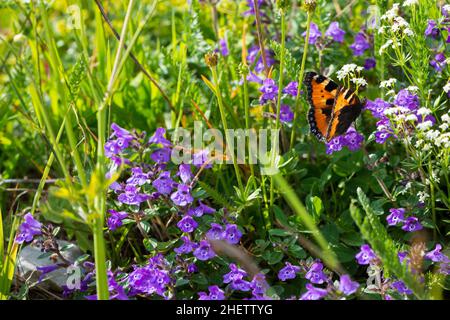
332, 108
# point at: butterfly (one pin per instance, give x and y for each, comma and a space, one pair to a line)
333, 108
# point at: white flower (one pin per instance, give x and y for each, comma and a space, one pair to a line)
424, 111
348, 70
447, 87
409, 3
392, 13
422, 196
18, 37
413, 89
432, 134
359, 81
411, 117
408, 32
385, 46
424, 125
445, 117
388, 83
444, 126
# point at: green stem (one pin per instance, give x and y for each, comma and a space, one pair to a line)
300, 76
100, 200
225, 126
280, 86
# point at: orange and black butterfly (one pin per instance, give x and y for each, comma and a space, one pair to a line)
333, 108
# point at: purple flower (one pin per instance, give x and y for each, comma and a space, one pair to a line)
186, 247
412, 224
291, 88
132, 196
161, 155
436, 255
232, 234
366, 255
347, 286
401, 287
251, 4
335, 32
204, 251
259, 284
200, 210
120, 132
377, 107
200, 158
402, 255
407, 99
192, 268
439, 62
313, 293
286, 114
46, 270
360, 44
185, 173
241, 285
445, 12
370, 63
335, 144
224, 47
148, 280
113, 147
138, 178
164, 184
289, 271
216, 232
182, 197
253, 52
353, 140
251, 77
397, 216
234, 274
314, 33
115, 219
215, 293
382, 136
269, 90
315, 273
432, 30
158, 138
187, 224
28, 229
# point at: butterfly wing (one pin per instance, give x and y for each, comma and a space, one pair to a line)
346, 109
321, 94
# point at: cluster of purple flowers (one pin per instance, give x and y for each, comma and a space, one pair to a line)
352, 139
333, 32
150, 278
405, 104
433, 31
316, 275
397, 217
237, 282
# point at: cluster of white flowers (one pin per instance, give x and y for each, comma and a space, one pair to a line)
349, 70
359, 82
397, 26
429, 135
392, 13
388, 83
410, 3
423, 196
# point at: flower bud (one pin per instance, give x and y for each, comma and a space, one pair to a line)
211, 59
310, 5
